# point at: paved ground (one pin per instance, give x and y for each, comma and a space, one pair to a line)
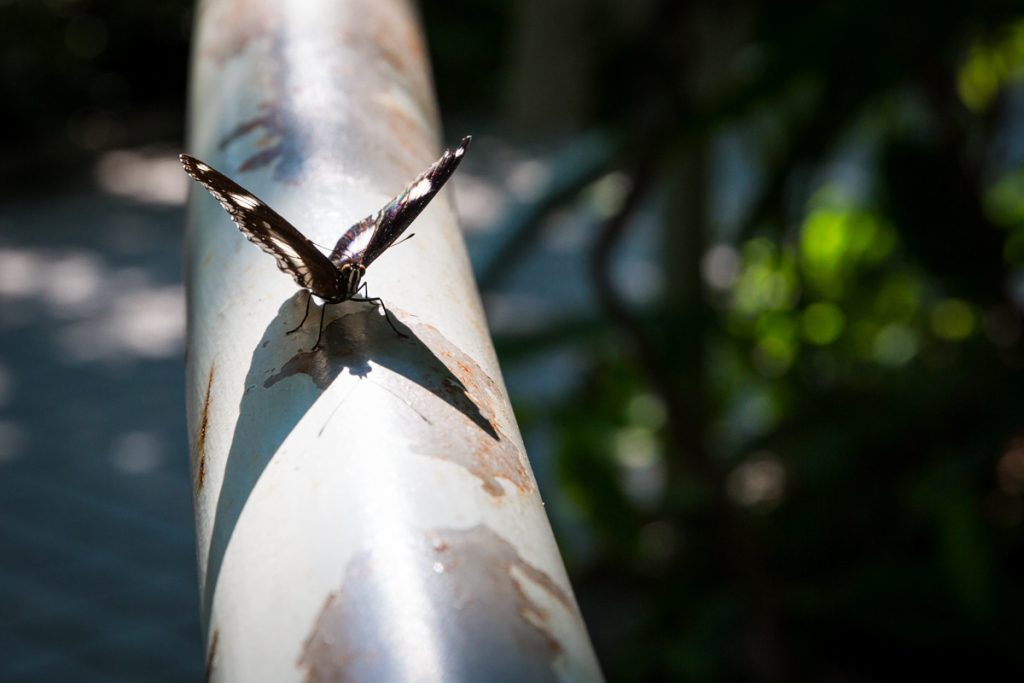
97, 560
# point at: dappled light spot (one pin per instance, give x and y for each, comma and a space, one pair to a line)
778, 324
822, 323
1010, 469
758, 483
509, 313
636, 447
21, 272
646, 410
754, 413
824, 239
527, 178
772, 356
1004, 201
895, 344
96, 312
72, 281
952, 319
481, 203
834, 240
720, 266
639, 280
145, 322
136, 452
641, 467
776, 345
150, 177
991, 66
768, 281
565, 233
608, 193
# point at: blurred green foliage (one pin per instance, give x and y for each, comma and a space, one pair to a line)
813, 469
807, 462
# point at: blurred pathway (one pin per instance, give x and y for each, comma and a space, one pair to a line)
97, 558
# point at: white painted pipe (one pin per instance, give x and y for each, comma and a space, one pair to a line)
365, 511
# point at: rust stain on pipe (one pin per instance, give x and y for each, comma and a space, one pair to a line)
487, 459
237, 24
476, 584
199, 452
377, 45
211, 656
462, 428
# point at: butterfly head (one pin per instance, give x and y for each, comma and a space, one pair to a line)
350, 276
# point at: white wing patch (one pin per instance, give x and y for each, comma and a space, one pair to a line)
420, 189
293, 252
358, 243
246, 201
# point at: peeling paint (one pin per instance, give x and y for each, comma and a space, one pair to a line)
211, 655
235, 25
462, 427
474, 580
199, 452
296, 123
282, 146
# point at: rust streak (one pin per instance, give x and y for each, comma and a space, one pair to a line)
465, 427
199, 452
211, 655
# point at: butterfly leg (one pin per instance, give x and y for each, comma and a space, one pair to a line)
309, 298
323, 313
376, 300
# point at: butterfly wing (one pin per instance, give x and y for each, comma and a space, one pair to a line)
263, 226
370, 237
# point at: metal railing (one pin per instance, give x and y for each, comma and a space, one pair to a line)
364, 511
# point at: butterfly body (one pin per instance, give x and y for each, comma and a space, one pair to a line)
338, 276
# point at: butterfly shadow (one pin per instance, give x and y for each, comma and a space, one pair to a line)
357, 341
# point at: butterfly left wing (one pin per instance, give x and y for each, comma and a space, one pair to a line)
370, 237
292, 250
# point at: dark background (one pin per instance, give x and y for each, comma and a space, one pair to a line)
754, 271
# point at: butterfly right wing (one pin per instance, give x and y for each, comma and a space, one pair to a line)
370, 237
263, 226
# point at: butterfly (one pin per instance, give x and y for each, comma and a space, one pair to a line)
337, 276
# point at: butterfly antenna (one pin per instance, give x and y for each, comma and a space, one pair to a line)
406, 238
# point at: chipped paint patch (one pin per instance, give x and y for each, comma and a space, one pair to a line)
199, 452
321, 656
282, 145
464, 427
473, 583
